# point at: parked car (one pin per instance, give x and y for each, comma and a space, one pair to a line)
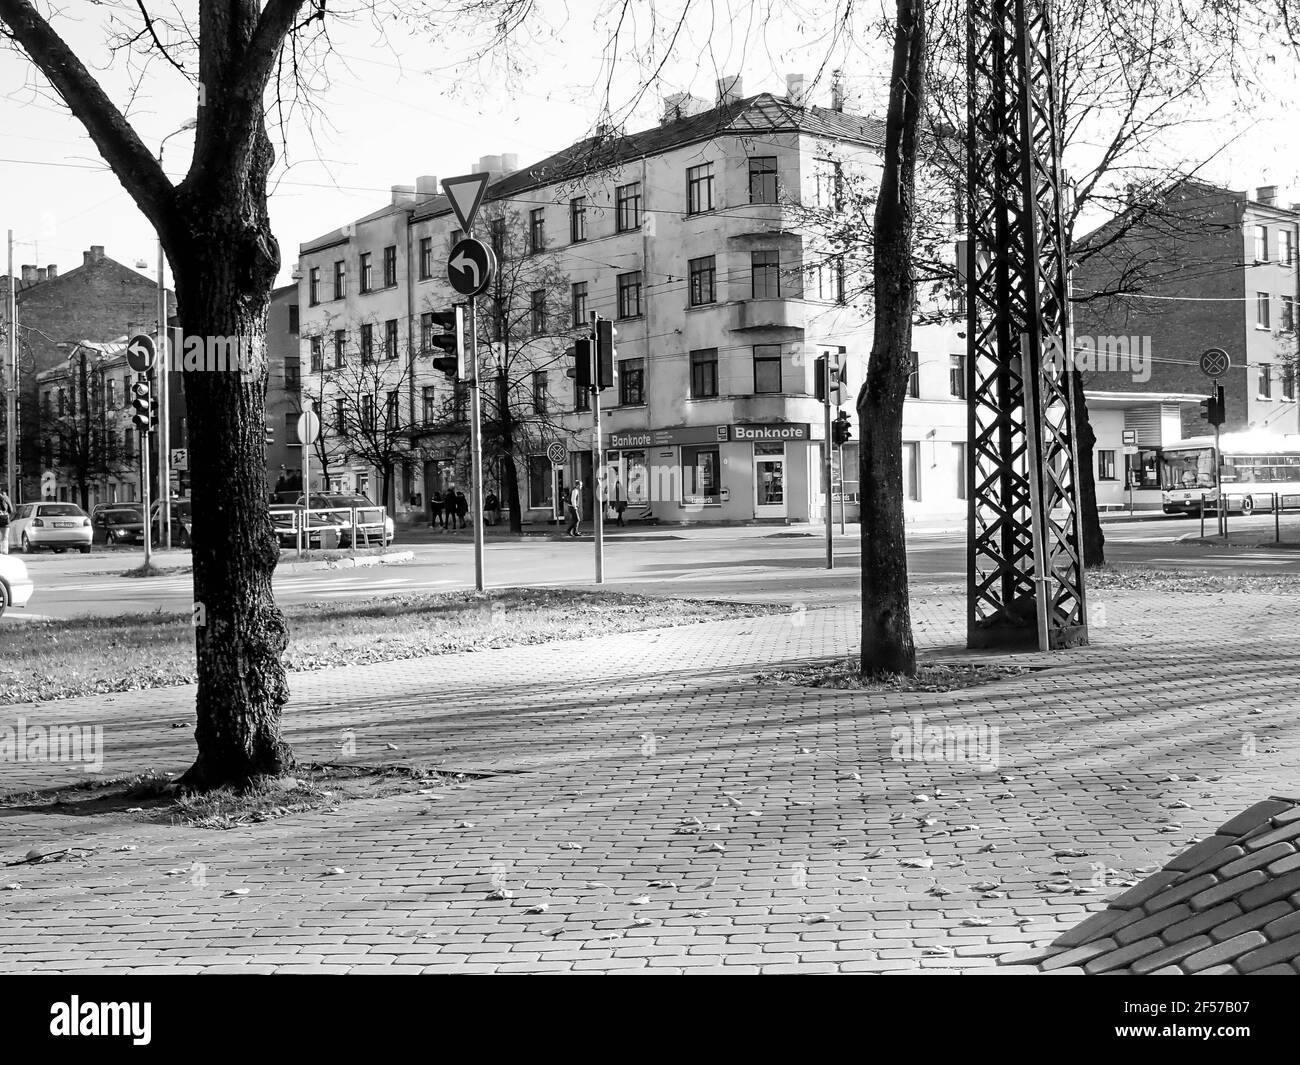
373, 526
182, 520
322, 529
57, 526
117, 523
15, 585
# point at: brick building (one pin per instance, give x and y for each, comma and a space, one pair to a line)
57, 310
1206, 267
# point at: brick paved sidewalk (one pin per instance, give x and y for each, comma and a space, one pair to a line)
814, 846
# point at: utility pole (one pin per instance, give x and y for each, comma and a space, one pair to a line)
164, 416
11, 382
476, 443
597, 455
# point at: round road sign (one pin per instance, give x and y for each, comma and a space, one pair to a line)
308, 427
140, 353
1215, 362
470, 266
557, 453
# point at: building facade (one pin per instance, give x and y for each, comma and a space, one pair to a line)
705, 240
1204, 267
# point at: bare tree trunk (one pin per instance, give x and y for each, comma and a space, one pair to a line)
887, 645
1094, 540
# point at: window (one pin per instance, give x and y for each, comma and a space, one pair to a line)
536, 230
429, 404
830, 279
704, 373
1285, 247
629, 295
541, 392
762, 179
367, 273
911, 470
293, 319
110, 401
767, 367
1265, 380
126, 394
957, 375
703, 275
701, 480
830, 185
497, 237
390, 339
914, 377
457, 235
537, 303
1288, 382
631, 382
1105, 465
128, 443
1287, 321
426, 258
341, 417
627, 206
62, 402
317, 356
291, 429
578, 303
426, 332
390, 265
578, 219
367, 344
765, 274
699, 188
1262, 308
959, 458
313, 286
340, 279
539, 483
368, 412
390, 412
1261, 244
340, 342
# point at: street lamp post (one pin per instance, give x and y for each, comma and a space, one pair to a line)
164, 382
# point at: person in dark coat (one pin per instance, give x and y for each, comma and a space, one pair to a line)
435, 509
462, 507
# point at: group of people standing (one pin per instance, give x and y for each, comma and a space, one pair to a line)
447, 507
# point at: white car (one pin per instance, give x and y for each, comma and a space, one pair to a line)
57, 526
15, 585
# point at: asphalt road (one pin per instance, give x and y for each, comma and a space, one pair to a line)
761, 563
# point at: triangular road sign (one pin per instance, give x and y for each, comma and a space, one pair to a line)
465, 194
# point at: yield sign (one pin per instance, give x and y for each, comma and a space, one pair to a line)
465, 194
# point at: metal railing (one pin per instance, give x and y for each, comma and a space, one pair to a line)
363, 523
1277, 502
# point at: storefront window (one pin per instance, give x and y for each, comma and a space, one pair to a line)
637, 480
1144, 468
701, 475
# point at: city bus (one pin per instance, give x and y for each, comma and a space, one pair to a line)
1254, 467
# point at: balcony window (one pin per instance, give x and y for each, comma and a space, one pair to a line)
762, 179
765, 275
767, 368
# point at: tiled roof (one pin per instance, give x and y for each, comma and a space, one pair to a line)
1229, 904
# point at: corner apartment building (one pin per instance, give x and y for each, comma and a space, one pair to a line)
1208, 267
701, 239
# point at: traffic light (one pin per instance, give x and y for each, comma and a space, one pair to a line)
451, 339
605, 353
839, 377
141, 404
841, 430
153, 415
1212, 408
581, 371
830, 370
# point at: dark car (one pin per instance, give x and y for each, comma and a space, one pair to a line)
117, 523
182, 521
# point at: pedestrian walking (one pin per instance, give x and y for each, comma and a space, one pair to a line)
6, 514
449, 507
462, 507
575, 510
492, 509
620, 504
435, 509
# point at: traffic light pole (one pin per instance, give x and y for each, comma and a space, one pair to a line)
826, 470
145, 494
476, 443
1220, 511
597, 457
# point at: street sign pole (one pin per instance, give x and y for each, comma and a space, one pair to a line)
843, 501
826, 463
144, 495
164, 385
476, 443
597, 489
1221, 511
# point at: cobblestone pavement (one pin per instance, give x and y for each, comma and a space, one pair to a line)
649, 806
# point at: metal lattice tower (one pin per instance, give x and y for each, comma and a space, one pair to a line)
1025, 565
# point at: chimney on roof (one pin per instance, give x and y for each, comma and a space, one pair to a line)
796, 89
679, 105
51, 271
1267, 195
730, 89
509, 162
837, 90
403, 195
94, 255
426, 185
40, 273
29, 273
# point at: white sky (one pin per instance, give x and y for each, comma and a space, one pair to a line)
401, 102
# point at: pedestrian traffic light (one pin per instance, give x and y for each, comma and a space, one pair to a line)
581, 371
451, 339
841, 430
829, 375
140, 403
1212, 408
270, 435
605, 353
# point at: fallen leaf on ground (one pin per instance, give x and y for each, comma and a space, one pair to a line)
336, 871
541, 907
569, 845
500, 893
641, 922
663, 883
234, 891
917, 863
816, 918
977, 922
641, 900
